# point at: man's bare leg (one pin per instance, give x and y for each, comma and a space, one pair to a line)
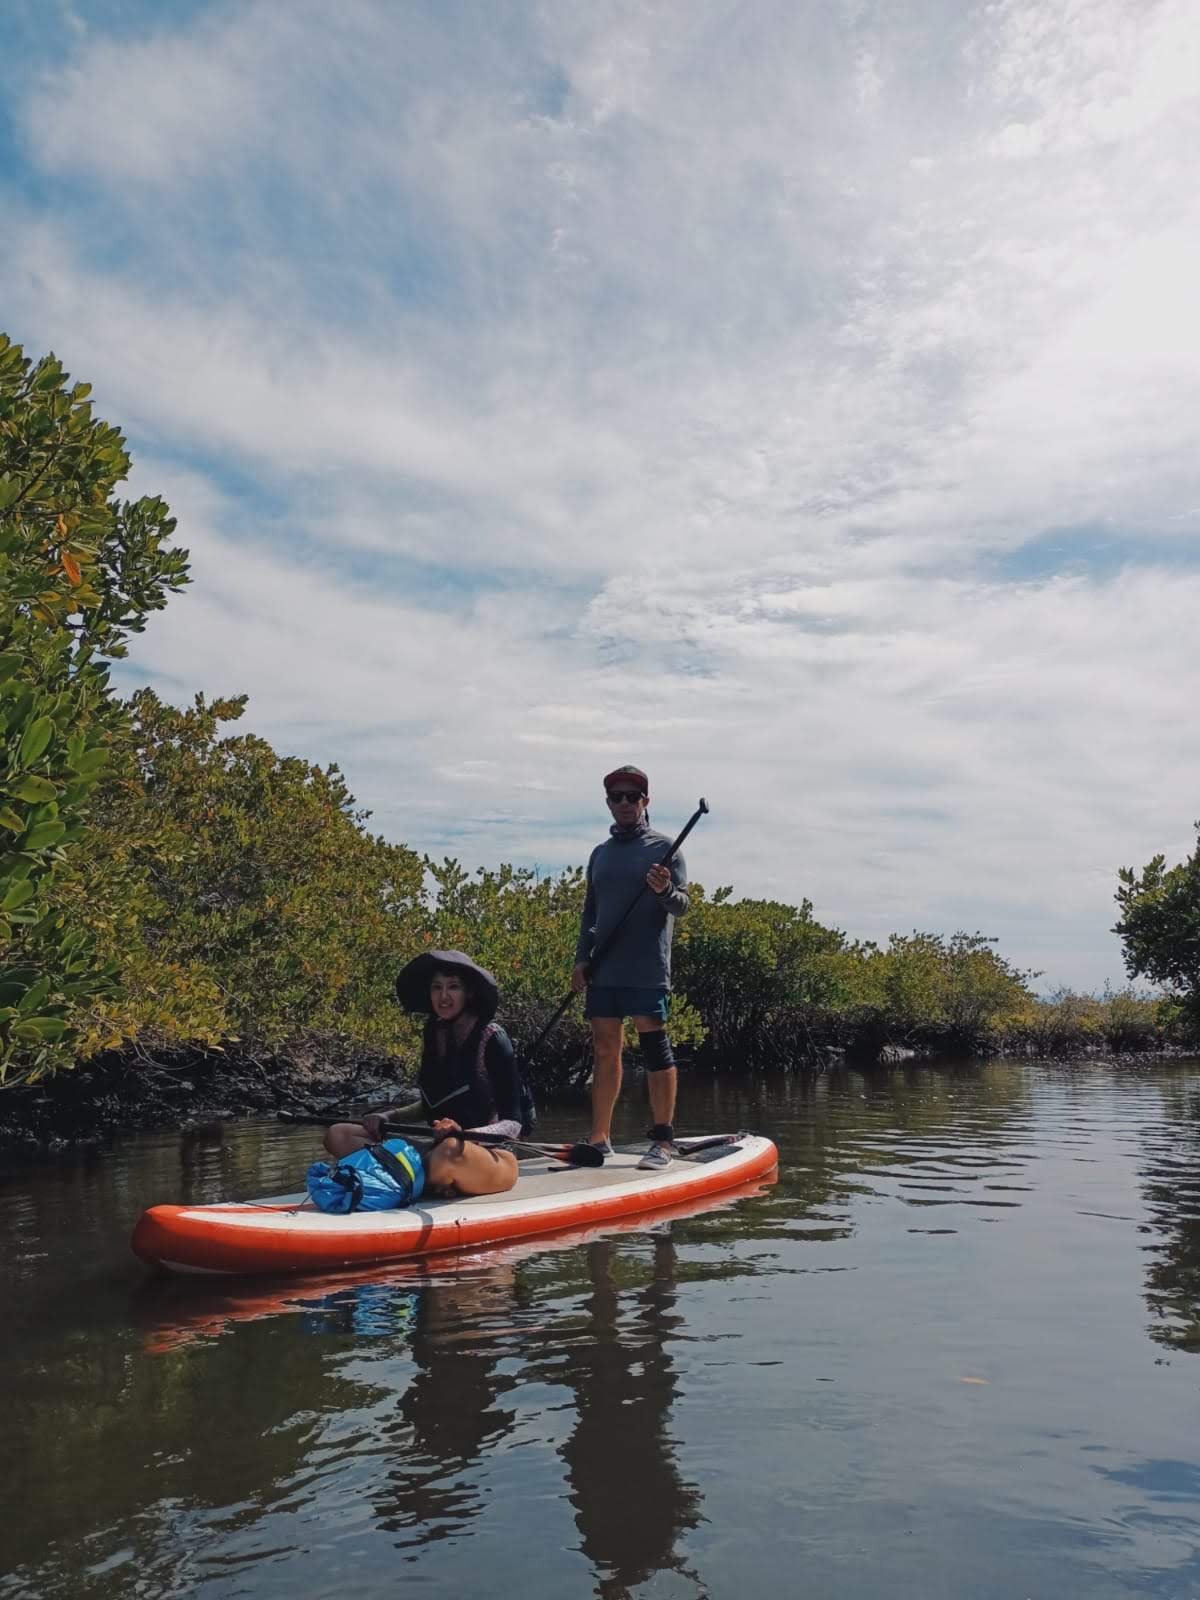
607, 1034
662, 1085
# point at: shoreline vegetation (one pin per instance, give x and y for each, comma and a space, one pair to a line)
194, 926
81, 1110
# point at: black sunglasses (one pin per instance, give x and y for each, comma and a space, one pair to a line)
629, 796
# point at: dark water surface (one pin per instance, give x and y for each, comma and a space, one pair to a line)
954, 1351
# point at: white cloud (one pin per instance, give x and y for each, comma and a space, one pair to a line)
155, 112
639, 385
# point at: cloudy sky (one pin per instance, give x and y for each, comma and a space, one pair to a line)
800, 399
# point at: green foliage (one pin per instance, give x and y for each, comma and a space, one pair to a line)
1159, 927
774, 986
79, 572
1068, 1024
750, 967
242, 894
925, 988
1132, 1021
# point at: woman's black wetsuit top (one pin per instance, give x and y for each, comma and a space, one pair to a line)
455, 1083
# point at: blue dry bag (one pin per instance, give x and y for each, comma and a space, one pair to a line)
379, 1177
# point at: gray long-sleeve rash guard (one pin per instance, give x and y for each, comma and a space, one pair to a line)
641, 956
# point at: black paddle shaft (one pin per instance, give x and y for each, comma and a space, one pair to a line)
614, 932
575, 1155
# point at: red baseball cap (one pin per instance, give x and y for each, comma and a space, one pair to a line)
626, 777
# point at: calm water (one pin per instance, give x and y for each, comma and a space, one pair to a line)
954, 1351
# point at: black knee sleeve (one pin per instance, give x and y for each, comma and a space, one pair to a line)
656, 1051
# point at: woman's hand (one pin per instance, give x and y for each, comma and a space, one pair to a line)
445, 1128
374, 1125
579, 977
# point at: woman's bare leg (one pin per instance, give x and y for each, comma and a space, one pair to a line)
468, 1168
344, 1138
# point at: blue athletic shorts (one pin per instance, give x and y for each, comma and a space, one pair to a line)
603, 1001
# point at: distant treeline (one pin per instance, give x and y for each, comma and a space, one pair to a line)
168, 885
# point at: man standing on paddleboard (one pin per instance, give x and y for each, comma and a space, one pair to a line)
633, 976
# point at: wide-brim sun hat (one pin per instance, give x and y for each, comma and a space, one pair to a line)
414, 980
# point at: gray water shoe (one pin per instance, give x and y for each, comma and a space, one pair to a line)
656, 1158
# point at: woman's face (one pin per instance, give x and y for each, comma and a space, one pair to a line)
448, 995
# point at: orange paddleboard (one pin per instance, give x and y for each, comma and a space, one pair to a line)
288, 1234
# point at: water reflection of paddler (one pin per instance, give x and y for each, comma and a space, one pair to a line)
468, 1080
450, 1414
630, 1504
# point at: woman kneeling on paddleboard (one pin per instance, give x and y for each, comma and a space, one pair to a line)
468, 1079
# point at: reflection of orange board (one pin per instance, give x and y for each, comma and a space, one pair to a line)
192, 1310
288, 1235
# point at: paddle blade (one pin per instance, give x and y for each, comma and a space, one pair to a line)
581, 1155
